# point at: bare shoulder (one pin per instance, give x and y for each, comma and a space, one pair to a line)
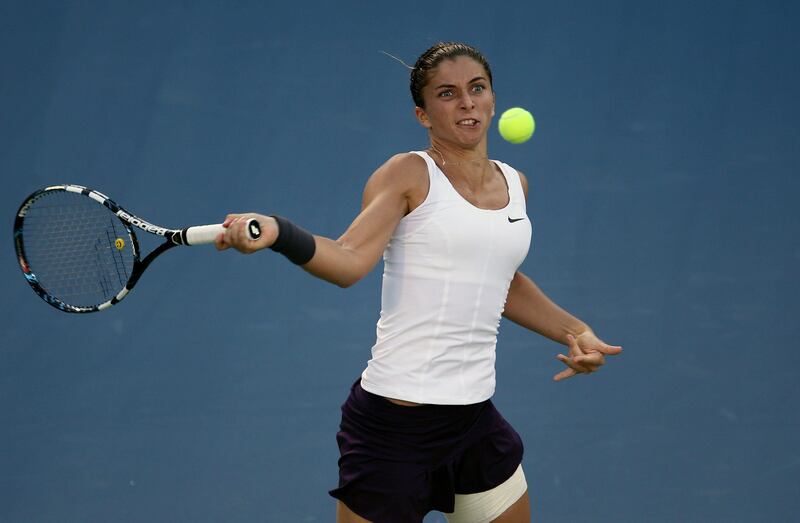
404, 174
402, 169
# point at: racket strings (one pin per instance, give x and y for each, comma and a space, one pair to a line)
112, 235
77, 249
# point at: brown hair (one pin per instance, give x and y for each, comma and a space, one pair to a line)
431, 58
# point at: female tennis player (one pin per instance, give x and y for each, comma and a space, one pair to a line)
419, 431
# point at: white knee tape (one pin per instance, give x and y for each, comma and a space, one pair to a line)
483, 507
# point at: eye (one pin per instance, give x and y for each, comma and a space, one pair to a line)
445, 94
478, 88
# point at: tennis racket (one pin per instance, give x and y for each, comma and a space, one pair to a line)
78, 250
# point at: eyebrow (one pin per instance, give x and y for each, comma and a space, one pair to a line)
476, 79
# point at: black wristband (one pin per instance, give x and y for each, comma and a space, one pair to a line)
295, 243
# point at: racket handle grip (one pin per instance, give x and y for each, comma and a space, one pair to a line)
205, 234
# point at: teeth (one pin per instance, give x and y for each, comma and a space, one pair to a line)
468, 122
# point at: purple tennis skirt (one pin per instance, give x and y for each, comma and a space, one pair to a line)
398, 463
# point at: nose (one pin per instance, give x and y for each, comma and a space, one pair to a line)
466, 101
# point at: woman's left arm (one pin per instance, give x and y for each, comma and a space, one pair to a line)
528, 306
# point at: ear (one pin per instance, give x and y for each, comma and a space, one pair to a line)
422, 117
494, 101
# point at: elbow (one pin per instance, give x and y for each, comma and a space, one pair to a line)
352, 272
340, 280
347, 281
343, 270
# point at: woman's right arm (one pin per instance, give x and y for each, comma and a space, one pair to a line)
390, 193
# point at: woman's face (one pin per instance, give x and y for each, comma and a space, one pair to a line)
459, 102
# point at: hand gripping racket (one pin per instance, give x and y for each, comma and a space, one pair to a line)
78, 250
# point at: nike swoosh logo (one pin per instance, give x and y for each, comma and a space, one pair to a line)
512, 220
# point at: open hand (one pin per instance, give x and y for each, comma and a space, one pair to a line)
586, 355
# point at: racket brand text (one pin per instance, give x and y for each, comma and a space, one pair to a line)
145, 226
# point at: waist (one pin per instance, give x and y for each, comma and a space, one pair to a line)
382, 403
403, 403
404, 382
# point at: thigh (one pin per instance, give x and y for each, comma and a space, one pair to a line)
394, 460
519, 512
505, 503
384, 491
490, 460
345, 515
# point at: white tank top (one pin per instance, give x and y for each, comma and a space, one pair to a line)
447, 270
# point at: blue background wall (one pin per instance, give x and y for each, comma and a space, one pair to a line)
663, 182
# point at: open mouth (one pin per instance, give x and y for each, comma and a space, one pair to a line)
468, 122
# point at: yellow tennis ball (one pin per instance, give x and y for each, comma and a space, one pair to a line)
516, 125
119, 243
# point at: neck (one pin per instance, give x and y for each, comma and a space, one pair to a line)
448, 155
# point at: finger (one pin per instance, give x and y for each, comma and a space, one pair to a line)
574, 348
564, 374
229, 218
220, 243
592, 343
235, 226
231, 235
570, 362
589, 369
594, 359
238, 237
230, 231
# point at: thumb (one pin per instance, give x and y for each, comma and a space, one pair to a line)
611, 350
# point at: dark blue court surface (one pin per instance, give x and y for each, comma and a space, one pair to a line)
664, 187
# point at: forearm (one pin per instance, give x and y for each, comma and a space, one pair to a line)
337, 263
342, 262
529, 307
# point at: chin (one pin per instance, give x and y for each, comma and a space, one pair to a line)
470, 142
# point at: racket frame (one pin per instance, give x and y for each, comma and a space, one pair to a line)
129, 220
